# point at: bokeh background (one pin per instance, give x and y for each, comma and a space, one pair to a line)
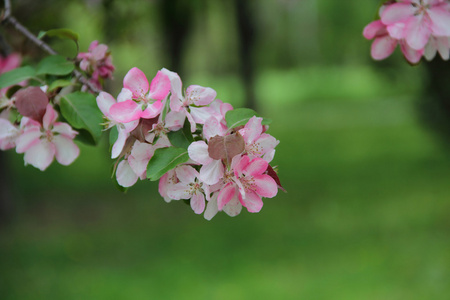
363, 154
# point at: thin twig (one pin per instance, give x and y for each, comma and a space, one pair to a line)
8, 18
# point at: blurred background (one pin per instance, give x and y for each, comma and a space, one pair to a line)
363, 154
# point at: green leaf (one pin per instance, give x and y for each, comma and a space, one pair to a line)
183, 137
164, 160
240, 117
16, 76
59, 84
81, 111
113, 135
55, 65
62, 33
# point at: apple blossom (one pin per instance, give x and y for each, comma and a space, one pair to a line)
41, 142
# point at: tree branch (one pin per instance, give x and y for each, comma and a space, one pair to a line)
8, 18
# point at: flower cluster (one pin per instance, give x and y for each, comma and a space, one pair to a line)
199, 148
420, 27
97, 62
28, 114
38, 135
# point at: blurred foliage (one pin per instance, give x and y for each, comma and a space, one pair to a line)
366, 213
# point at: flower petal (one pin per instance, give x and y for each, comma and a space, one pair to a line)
198, 152
382, 47
211, 208
397, 12
152, 110
160, 86
228, 193
256, 166
104, 102
40, 155
125, 111
136, 82
27, 139
50, 117
198, 202
66, 151
374, 29
179, 191
252, 201
186, 174
265, 186
211, 173
440, 21
200, 95
125, 175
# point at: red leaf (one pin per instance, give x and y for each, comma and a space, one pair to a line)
226, 147
271, 172
31, 102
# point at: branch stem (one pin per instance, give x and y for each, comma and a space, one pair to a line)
8, 18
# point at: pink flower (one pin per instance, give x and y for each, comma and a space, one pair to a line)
384, 44
104, 103
42, 142
437, 44
143, 100
193, 105
97, 61
212, 169
257, 143
189, 187
247, 186
421, 19
166, 183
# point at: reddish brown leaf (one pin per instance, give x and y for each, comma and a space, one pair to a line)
226, 147
31, 102
145, 125
271, 172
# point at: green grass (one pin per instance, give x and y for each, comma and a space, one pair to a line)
365, 217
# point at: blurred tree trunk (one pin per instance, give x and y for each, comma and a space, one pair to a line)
176, 17
246, 31
435, 103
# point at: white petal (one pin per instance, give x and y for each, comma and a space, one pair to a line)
40, 155
66, 150
125, 175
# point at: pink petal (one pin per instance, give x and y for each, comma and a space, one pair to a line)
124, 95
50, 117
186, 174
234, 207
254, 129
119, 144
252, 201
191, 121
265, 143
397, 12
200, 95
179, 191
201, 114
417, 32
99, 52
159, 87
265, 186
198, 202
8, 134
241, 164
228, 193
198, 152
175, 84
382, 47
413, 56
27, 139
211, 208
440, 21
374, 29
175, 120
211, 173
397, 31
212, 128
40, 155
152, 110
64, 129
136, 82
104, 102
126, 111
125, 175
65, 150
256, 166
140, 155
